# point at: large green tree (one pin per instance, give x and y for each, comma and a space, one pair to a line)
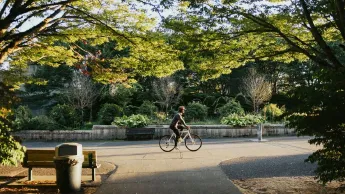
51, 32
61, 25
219, 35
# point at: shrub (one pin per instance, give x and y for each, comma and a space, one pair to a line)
196, 112
65, 116
147, 108
108, 112
130, 110
230, 108
133, 121
272, 112
42, 122
160, 118
22, 117
241, 121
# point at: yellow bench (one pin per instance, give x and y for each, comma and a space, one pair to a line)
45, 159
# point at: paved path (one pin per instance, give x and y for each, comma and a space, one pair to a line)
265, 167
144, 168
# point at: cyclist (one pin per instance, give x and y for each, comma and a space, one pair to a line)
178, 123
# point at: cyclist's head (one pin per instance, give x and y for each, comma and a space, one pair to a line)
181, 108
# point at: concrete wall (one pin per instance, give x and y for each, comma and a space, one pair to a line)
220, 131
110, 132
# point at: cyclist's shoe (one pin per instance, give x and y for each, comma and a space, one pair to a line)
179, 140
176, 148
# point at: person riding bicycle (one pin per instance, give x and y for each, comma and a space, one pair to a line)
178, 123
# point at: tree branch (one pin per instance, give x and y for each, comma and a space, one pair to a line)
62, 3
318, 38
339, 7
103, 24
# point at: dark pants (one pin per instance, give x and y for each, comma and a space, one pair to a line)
177, 132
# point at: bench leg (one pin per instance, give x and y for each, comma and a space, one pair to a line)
30, 174
93, 174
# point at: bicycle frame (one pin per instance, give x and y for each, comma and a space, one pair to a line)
187, 134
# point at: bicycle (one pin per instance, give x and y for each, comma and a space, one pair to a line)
192, 142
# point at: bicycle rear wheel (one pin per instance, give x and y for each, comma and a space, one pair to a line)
193, 144
166, 143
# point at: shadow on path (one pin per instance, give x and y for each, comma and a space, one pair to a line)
265, 167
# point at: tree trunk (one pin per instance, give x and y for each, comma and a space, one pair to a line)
82, 116
90, 118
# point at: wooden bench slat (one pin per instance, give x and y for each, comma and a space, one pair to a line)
40, 157
52, 165
44, 156
50, 154
40, 151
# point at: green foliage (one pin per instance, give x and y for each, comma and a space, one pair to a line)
11, 151
320, 107
242, 120
231, 107
196, 111
65, 116
160, 118
123, 94
25, 121
52, 77
272, 112
208, 121
42, 122
130, 110
148, 108
133, 121
108, 112
87, 126
147, 52
23, 115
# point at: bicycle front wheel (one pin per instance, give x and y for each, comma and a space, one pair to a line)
167, 143
193, 142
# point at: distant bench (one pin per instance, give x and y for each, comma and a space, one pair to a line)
45, 159
134, 133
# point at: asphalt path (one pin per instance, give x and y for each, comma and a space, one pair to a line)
143, 168
153, 143
266, 167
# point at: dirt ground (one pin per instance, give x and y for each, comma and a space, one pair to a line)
43, 190
36, 187
287, 185
275, 185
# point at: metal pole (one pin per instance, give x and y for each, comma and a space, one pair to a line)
259, 131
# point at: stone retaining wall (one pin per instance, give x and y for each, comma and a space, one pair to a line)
111, 132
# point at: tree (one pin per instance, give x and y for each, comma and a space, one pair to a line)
166, 92
64, 26
255, 89
283, 31
316, 110
41, 97
11, 150
81, 93
123, 94
280, 30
